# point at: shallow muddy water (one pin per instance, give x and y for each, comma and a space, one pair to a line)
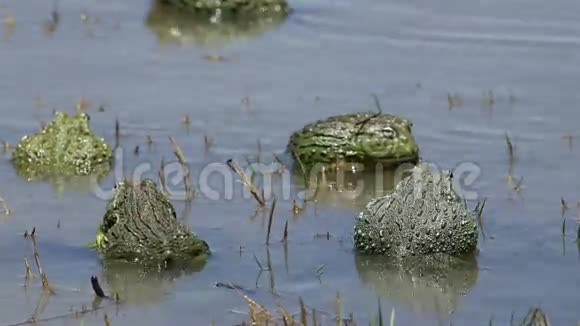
327, 58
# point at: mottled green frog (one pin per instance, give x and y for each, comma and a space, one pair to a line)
66, 146
424, 215
363, 137
140, 226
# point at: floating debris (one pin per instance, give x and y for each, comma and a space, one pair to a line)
82, 104
569, 137
4, 205
215, 58
148, 141
8, 21
454, 100
489, 99
6, 147
51, 24
84, 17
186, 120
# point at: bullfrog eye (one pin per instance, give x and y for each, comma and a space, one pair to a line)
389, 132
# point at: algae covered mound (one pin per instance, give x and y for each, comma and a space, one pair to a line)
424, 215
174, 26
64, 147
140, 226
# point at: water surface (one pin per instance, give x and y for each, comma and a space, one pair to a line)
326, 58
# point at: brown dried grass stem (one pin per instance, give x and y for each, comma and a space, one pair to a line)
270, 218
29, 275
186, 173
44, 279
234, 166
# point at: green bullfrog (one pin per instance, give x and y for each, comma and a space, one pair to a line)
362, 137
423, 216
66, 146
140, 226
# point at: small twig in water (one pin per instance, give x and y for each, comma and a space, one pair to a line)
488, 99
259, 264
295, 208
270, 218
246, 182
570, 137
186, 120
279, 160
117, 132
258, 159
303, 313
302, 169
285, 237
29, 275
319, 270
207, 142
518, 186
97, 287
510, 148
314, 321
5, 146
337, 310
479, 212
44, 279
186, 174
149, 141
564, 206
536, 317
